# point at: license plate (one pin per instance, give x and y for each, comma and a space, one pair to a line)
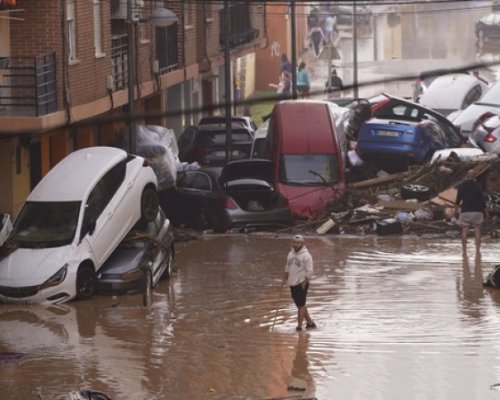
18, 302
387, 133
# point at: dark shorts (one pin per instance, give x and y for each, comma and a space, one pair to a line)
299, 295
470, 219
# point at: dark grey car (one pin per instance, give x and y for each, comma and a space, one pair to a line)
144, 257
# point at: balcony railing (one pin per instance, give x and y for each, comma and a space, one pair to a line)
28, 85
119, 59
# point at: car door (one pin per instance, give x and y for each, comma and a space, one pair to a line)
101, 225
196, 199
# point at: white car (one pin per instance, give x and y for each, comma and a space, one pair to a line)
452, 92
488, 105
72, 221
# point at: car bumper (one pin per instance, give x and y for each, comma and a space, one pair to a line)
119, 287
280, 216
32, 295
413, 153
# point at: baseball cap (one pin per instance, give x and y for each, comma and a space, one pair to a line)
298, 237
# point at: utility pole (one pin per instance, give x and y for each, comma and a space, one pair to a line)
294, 48
227, 80
131, 78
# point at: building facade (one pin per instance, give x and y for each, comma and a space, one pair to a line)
66, 65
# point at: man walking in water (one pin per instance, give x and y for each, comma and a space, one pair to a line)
471, 199
298, 273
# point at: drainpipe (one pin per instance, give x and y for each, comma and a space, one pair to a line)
227, 80
294, 49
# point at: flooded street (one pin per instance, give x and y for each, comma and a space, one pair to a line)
397, 318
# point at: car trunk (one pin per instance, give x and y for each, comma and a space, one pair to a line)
253, 194
249, 183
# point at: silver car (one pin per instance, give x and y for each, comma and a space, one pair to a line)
486, 135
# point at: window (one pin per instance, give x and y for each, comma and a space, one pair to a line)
71, 24
309, 169
97, 27
104, 191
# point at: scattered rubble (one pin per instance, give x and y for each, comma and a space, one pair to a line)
419, 201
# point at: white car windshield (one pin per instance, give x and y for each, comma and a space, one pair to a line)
46, 224
309, 169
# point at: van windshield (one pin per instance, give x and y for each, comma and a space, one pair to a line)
43, 224
309, 169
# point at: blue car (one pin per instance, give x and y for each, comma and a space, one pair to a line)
393, 144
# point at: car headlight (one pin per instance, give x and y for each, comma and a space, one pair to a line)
57, 278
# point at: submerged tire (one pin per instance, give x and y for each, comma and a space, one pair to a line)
85, 282
149, 204
412, 191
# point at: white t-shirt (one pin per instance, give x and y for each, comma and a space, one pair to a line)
299, 266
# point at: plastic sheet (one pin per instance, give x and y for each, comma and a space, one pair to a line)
159, 146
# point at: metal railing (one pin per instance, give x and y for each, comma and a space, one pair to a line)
28, 85
119, 59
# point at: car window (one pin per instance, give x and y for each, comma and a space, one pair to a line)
104, 191
309, 169
436, 132
114, 178
472, 96
187, 138
46, 224
218, 138
201, 182
195, 180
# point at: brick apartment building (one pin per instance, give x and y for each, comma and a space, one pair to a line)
64, 74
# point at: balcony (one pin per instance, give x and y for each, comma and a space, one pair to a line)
28, 86
240, 27
119, 60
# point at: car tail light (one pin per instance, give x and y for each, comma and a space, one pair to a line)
489, 138
283, 202
230, 203
481, 119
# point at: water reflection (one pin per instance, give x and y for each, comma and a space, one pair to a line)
399, 316
301, 379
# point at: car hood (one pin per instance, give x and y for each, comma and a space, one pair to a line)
249, 168
122, 260
309, 201
31, 267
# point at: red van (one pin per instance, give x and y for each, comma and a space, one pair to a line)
308, 155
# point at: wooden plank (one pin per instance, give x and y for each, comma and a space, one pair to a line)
380, 180
400, 205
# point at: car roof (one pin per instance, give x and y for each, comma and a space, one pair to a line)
449, 91
74, 176
295, 115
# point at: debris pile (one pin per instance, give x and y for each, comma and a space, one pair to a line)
420, 200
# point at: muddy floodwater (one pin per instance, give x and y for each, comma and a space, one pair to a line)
398, 318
